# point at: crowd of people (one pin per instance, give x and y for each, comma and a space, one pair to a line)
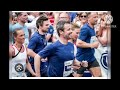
58, 44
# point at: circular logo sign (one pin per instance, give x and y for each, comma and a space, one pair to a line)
104, 61
19, 67
109, 19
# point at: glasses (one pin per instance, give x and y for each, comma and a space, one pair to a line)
83, 16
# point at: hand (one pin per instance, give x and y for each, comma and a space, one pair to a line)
95, 45
75, 67
37, 75
84, 63
34, 75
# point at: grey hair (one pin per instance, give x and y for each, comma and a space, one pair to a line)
60, 26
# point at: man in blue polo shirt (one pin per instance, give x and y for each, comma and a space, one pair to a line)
86, 43
38, 41
60, 54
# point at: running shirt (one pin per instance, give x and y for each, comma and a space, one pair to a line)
37, 43
60, 58
17, 65
87, 34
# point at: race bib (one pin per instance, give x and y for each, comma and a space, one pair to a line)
67, 68
93, 39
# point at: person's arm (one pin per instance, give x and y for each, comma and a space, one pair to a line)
76, 64
37, 63
32, 46
47, 51
81, 40
102, 34
48, 36
29, 68
11, 51
82, 44
103, 39
30, 52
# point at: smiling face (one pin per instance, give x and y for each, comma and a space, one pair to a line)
45, 26
83, 17
19, 36
75, 33
67, 31
93, 17
23, 17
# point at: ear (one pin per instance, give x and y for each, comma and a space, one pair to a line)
61, 32
14, 38
40, 26
18, 17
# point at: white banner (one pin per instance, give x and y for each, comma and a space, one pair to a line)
101, 54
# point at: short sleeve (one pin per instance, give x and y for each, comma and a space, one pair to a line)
47, 51
83, 34
32, 43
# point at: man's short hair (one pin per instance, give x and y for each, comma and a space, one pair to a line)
60, 26
40, 20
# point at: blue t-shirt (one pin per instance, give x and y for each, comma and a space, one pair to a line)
37, 43
86, 35
60, 58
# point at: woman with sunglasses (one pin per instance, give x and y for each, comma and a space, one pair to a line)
83, 18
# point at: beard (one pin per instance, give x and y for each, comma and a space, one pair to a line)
45, 31
69, 36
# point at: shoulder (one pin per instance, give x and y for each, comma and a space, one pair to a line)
16, 26
25, 47
85, 26
35, 36
12, 50
70, 43
54, 45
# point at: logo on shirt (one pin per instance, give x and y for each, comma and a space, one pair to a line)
51, 30
71, 51
93, 39
19, 67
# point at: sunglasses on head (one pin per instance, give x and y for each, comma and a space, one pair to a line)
83, 16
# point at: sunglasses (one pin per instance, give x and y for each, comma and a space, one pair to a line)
83, 16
